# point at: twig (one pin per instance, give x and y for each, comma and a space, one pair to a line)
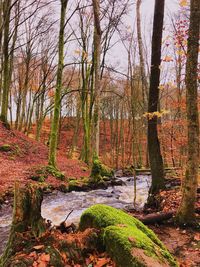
68, 216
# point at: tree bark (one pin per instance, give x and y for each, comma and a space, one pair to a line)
96, 58
57, 105
155, 157
6, 64
186, 212
141, 55
26, 217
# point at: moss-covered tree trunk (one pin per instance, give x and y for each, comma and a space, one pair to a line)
186, 212
57, 100
141, 55
155, 157
96, 58
6, 63
142, 69
26, 217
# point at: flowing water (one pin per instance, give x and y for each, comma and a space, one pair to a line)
57, 205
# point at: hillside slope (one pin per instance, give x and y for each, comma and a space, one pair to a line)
19, 155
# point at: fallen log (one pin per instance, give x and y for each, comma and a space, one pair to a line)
155, 217
159, 217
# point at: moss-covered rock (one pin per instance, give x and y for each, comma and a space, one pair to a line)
40, 173
55, 172
128, 241
79, 185
99, 171
5, 148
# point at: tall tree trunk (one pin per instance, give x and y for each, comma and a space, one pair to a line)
155, 157
1, 39
96, 58
25, 87
6, 64
142, 68
186, 212
57, 104
141, 55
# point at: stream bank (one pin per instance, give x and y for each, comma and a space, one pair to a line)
57, 205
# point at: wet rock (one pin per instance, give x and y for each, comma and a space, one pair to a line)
116, 182
119, 173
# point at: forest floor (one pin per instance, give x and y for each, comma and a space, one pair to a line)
22, 155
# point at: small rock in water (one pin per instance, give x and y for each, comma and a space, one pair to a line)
119, 173
117, 182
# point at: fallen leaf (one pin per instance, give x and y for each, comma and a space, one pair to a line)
101, 262
38, 247
197, 237
45, 257
42, 264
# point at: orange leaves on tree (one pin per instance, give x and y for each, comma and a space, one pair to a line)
183, 3
51, 93
167, 59
151, 115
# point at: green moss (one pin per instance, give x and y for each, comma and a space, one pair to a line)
99, 170
63, 188
73, 184
55, 172
115, 238
5, 148
38, 178
22, 262
42, 172
78, 185
118, 229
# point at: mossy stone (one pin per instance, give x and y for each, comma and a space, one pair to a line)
78, 185
127, 240
55, 172
38, 178
5, 148
99, 171
73, 185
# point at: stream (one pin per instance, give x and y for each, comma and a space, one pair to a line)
57, 205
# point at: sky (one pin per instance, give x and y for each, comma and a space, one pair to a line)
118, 55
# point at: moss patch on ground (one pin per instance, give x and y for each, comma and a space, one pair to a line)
40, 174
5, 148
128, 241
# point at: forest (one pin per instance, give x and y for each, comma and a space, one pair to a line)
99, 133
